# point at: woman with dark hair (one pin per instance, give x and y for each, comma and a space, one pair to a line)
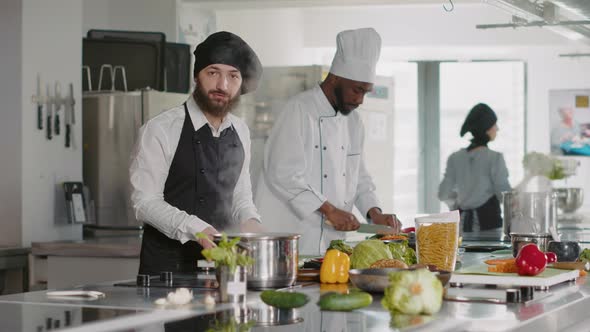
476, 176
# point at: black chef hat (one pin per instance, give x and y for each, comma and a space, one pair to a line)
228, 49
479, 120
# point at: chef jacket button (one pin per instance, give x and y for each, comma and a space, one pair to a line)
317, 146
321, 120
198, 141
201, 200
325, 148
325, 176
343, 147
343, 174
202, 171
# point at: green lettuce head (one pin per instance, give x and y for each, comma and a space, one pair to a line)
413, 292
368, 252
402, 251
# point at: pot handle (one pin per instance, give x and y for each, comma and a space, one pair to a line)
244, 246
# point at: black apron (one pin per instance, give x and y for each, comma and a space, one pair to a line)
489, 216
201, 182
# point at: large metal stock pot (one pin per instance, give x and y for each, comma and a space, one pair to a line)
275, 258
529, 212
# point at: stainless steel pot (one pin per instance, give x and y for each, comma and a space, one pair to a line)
529, 212
520, 240
275, 258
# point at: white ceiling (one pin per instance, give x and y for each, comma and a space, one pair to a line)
530, 9
255, 4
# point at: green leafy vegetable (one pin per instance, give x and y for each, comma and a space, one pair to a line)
402, 251
340, 245
368, 252
413, 292
536, 163
226, 252
585, 256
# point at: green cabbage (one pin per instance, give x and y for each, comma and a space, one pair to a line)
368, 252
413, 292
341, 246
403, 252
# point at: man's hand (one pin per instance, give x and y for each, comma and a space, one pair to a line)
339, 219
385, 219
208, 244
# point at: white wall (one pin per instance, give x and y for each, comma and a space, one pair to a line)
39, 37
139, 15
277, 35
10, 129
51, 47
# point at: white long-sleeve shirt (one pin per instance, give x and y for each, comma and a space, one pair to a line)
151, 160
473, 177
313, 155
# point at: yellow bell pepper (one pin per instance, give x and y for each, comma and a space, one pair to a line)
335, 267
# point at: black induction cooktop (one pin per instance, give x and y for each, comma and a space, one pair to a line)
173, 280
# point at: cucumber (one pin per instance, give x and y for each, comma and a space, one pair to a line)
284, 300
345, 302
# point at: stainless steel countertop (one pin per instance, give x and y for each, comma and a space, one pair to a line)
562, 307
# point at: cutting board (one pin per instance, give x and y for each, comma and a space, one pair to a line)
478, 274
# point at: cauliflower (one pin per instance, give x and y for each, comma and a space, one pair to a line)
413, 292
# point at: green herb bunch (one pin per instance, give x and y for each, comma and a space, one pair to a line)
226, 252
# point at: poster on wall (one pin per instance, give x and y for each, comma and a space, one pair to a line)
569, 117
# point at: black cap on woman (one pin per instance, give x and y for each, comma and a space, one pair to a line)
479, 121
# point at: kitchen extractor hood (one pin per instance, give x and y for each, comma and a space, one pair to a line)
569, 18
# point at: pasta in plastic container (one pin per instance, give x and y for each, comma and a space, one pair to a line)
437, 237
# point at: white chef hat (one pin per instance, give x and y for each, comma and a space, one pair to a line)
357, 54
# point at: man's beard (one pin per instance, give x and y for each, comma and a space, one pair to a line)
340, 106
209, 106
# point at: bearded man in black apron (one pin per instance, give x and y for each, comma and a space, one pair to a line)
190, 167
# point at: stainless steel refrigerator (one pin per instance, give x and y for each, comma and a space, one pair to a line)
111, 121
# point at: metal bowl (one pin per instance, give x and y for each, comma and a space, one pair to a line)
520, 240
376, 280
569, 199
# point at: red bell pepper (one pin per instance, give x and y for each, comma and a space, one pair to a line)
551, 257
408, 230
530, 261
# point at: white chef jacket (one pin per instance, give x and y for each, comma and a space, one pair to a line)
313, 154
151, 160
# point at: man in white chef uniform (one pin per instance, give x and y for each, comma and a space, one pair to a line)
314, 173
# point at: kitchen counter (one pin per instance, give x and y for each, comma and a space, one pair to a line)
107, 247
14, 258
562, 307
61, 264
